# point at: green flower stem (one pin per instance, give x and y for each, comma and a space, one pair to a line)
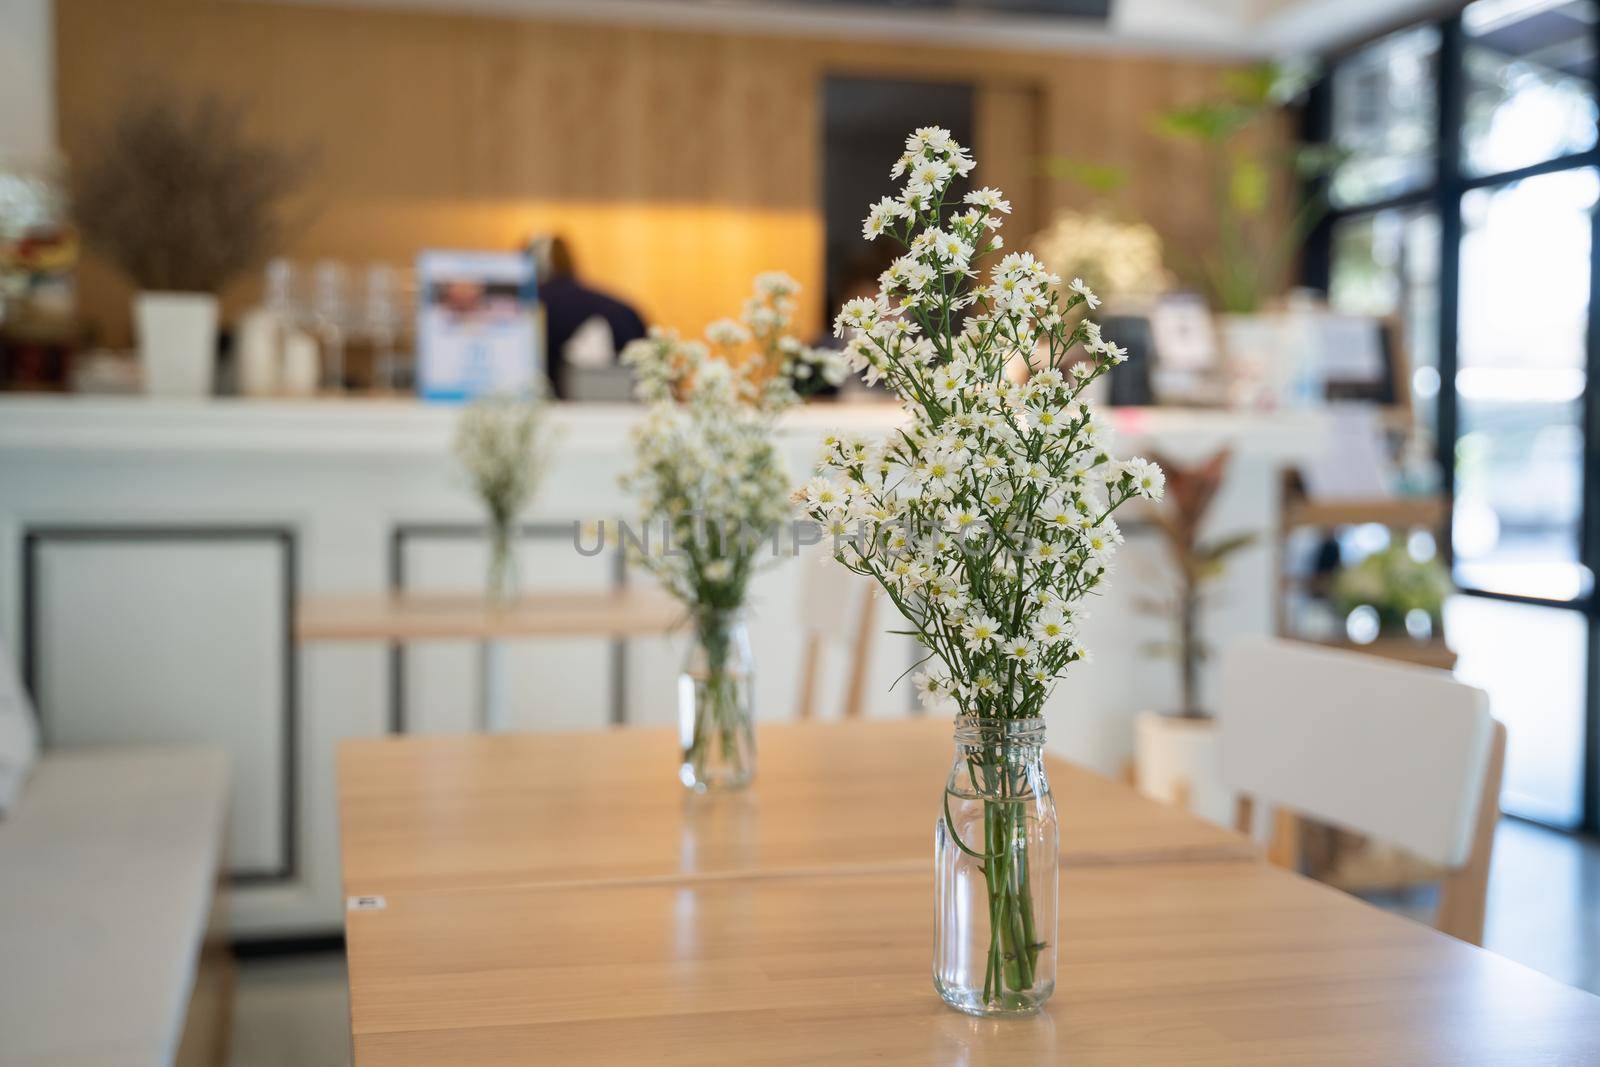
719, 716
1013, 943
502, 561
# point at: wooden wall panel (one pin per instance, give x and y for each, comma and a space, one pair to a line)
679, 163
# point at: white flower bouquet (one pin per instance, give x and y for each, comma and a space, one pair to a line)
502, 445
714, 492
987, 520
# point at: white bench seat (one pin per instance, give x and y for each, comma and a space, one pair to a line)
108, 869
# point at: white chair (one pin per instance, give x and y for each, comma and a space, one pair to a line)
1401, 753
836, 607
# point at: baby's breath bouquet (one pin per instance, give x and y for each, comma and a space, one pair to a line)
714, 492
987, 520
504, 449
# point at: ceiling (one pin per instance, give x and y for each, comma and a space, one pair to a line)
1206, 27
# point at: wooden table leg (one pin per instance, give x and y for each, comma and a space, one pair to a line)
494, 688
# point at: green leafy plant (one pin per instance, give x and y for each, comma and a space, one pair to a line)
1394, 583
1198, 562
1259, 228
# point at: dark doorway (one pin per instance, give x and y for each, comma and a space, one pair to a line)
865, 122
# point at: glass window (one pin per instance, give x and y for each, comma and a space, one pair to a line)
1530, 660
1387, 264
1384, 117
1530, 68
1520, 384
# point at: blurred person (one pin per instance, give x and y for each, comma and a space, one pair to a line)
575, 311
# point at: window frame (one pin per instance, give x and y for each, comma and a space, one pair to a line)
1443, 196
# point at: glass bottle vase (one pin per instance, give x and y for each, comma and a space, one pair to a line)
996, 871
714, 704
502, 581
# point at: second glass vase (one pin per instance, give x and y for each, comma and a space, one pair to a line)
714, 704
501, 588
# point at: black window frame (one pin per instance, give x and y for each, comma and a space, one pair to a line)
1444, 196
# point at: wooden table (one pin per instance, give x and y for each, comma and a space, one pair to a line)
564, 808
433, 617
1228, 965
424, 617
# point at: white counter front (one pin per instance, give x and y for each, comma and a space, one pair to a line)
152, 553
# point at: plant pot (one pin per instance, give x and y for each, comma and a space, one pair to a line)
177, 342
1176, 761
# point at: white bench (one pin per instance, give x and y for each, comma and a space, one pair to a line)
111, 945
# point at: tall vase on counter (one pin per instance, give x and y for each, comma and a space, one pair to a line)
176, 194
986, 519
503, 446
713, 494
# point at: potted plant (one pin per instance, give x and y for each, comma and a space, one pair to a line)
1117, 254
1176, 749
1259, 231
177, 196
1392, 595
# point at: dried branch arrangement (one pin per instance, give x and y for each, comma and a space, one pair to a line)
179, 196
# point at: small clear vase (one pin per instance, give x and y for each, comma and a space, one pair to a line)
502, 581
714, 704
996, 872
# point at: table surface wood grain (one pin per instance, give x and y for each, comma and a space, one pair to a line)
571, 808
431, 616
1204, 965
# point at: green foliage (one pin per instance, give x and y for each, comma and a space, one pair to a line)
1102, 179
1252, 251
1393, 583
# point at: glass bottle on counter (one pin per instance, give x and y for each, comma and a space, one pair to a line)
328, 322
370, 350
297, 359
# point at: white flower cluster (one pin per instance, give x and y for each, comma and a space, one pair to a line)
501, 445
710, 483
1121, 258
989, 518
764, 361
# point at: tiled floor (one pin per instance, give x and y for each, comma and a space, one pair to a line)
1544, 902
1544, 911
292, 1011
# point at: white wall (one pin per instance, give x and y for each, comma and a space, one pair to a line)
27, 80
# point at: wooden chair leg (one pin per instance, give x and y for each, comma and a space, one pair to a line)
1283, 848
1244, 814
810, 662
1181, 793
860, 657
1464, 893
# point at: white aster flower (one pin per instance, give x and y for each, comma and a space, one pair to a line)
1083, 290
727, 332
1018, 649
980, 632
1147, 479
990, 199
1051, 627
